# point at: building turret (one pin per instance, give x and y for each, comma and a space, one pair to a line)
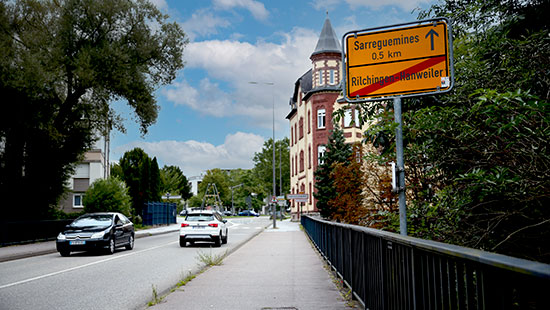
326, 59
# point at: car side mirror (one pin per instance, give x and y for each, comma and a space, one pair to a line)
224, 221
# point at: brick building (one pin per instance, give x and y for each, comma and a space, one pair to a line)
316, 96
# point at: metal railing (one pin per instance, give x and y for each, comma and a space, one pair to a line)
389, 271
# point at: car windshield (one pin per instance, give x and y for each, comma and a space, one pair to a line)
93, 220
200, 217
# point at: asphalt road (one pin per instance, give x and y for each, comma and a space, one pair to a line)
124, 280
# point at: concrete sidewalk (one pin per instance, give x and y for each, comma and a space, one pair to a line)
41, 248
278, 269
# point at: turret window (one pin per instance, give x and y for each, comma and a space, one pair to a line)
320, 153
331, 77
321, 72
321, 118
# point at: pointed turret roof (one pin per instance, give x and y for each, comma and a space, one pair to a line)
328, 42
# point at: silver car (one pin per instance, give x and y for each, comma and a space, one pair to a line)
203, 225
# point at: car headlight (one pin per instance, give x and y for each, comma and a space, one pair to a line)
98, 235
61, 236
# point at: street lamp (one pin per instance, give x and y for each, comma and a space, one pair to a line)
273, 146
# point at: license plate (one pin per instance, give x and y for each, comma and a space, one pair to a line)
198, 227
77, 242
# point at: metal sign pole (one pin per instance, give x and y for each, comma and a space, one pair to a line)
400, 166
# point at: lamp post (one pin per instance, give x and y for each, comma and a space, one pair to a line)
273, 146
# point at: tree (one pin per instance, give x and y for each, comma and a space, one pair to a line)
61, 63
173, 181
116, 171
108, 195
154, 182
250, 187
337, 151
348, 179
263, 166
139, 174
477, 158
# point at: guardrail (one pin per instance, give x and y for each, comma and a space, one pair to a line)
389, 271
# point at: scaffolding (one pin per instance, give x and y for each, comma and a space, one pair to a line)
218, 206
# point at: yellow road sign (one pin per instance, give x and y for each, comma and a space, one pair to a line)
404, 60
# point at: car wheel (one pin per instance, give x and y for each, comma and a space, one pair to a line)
130, 244
183, 243
111, 248
65, 253
224, 240
217, 241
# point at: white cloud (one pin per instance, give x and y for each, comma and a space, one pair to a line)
257, 9
235, 64
194, 157
160, 4
203, 23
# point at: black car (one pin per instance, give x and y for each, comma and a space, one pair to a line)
96, 232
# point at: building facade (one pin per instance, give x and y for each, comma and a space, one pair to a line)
93, 167
317, 95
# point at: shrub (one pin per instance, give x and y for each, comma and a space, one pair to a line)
108, 195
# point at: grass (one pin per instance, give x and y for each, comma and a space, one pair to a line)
210, 259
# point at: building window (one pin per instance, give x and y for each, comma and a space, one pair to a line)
320, 153
301, 161
291, 136
357, 124
321, 72
347, 118
295, 133
292, 167
310, 200
77, 201
309, 156
308, 121
301, 126
321, 118
331, 77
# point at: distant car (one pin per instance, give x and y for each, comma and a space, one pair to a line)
96, 232
227, 213
248, 213
203, 225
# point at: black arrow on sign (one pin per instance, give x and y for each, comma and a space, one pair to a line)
431, 34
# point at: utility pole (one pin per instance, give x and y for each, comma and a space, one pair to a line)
400, 166
273, 146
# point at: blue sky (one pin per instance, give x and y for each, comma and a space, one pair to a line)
211, 116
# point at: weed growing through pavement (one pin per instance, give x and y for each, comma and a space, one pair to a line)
184, 281
211, 259
156, 298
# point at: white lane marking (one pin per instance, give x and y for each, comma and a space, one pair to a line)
83, 266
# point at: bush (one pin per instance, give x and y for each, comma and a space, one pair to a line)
108, 195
